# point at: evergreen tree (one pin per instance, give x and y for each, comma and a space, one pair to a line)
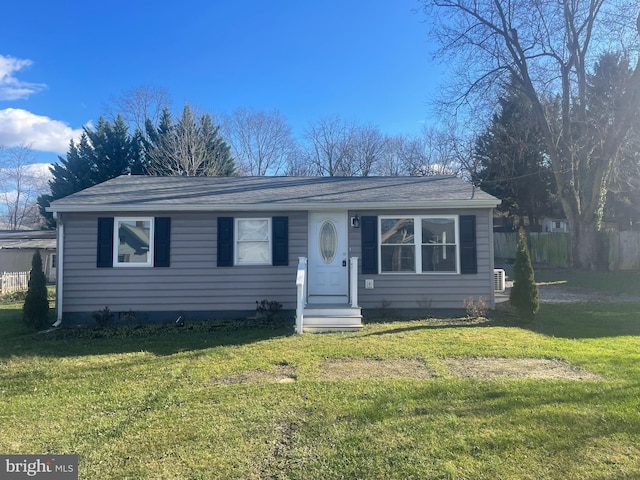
35, 312
101, 154
524, 293
511, 160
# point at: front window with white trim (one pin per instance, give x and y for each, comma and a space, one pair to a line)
253, 241
133, 242
419, 244
397, 245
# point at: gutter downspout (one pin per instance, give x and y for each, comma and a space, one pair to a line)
59, 267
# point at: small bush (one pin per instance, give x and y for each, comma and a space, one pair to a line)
268, 309
133, 317
476, 308
14, 297
35, 312
524, 293
103, 317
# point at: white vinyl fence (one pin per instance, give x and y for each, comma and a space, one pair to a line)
14, 282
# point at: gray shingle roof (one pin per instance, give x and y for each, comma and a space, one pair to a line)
144, 193
27, 239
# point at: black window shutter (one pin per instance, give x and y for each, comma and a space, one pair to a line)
162, 242
225, 241
369, 229
104, 258
468, 255
280, 241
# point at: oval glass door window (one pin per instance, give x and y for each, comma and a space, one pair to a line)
328, 241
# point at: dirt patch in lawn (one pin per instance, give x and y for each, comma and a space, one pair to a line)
491, 367
363, 368
279, 374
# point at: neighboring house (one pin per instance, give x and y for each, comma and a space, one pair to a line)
560, 225
210, 247
18, 246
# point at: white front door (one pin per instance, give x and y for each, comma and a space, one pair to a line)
327, 267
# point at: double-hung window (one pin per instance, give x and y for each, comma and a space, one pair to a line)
419, 244
397, 244
133, 241
253, 241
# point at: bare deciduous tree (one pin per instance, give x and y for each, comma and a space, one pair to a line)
433, 152
364, 149
261, 142
327, 141
142, 103
547, 47
393, 161
298, 164
335, 147
190, 147
21, 182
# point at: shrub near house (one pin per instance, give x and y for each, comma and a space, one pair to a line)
35, 313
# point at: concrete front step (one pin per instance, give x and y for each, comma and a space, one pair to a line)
332, 318
332, 311
331, 328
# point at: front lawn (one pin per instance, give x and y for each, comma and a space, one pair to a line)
420, 399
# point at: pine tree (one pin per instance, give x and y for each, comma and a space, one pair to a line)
512, 163
524, 293
101, 154
35, 312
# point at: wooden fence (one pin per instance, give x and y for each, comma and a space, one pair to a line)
617, 250
14, 282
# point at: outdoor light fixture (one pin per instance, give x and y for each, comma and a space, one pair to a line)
355, 221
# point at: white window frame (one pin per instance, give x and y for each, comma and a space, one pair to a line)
116, 242
417, 239
236, 241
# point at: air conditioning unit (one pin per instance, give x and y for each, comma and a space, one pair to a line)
498, 280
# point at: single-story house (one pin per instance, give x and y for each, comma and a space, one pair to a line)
18, 246
327, 247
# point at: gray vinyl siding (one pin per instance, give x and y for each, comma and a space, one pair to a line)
413, 291
193, 282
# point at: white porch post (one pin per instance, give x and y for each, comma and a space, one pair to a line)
301, 278
353, 281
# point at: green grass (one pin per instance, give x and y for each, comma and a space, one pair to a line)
151, 405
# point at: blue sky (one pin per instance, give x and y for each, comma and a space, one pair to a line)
365, 60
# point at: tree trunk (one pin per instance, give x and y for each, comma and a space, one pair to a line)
584, 244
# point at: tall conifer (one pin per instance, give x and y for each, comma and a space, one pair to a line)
524, 293
35, 312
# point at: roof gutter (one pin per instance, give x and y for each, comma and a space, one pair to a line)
59, 268
122, 207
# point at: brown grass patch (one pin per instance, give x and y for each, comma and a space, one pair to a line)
397, 368
363, 368
491, 367
279, 374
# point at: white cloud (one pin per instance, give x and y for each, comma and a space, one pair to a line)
21, 127
10, 87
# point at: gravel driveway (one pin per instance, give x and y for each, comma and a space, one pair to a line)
558, 292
